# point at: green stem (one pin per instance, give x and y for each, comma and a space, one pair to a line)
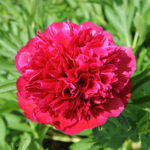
33, 130
64, 138
135, 41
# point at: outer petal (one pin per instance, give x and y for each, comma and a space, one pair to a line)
126, 93
76, 126
109, 39
90, 25
61, 32
84, 124
20, 87
27, 106
24, 55
42, 117
126, 66
114, 107
64, 27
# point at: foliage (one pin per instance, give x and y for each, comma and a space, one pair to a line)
127, 20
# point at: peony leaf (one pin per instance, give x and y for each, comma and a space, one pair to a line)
140, 25
140, 79
142, 100
82, 145
34, 145
41, 130
11, 9
123, 122
15, 122
86, 132
25, 142
2, 131
8, 47
145, 141
8, 106
7, 86
117, 139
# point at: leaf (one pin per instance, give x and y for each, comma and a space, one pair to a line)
2, 131
41, 130
30, 32
6, 54
86, 132
141, 58
117, 16
7, 86
25, 142
142, 100
5, 147
134, 135
140, 25
145, 141
82, 145
7, 66
96, 132
34, 145
8, 106
6, 97
143, 123
3, 144
15, 122
8, 47
11, 9
117, 139
123, 122
140, 79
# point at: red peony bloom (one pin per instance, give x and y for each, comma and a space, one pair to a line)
74, 77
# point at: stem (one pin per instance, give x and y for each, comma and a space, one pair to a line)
135, 40
64, 138
33, 130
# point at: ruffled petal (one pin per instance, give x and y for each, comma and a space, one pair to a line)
27, 106
113, 107
77, 126
126, 66
90, 25
25, 54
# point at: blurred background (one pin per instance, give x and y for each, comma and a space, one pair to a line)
129, 23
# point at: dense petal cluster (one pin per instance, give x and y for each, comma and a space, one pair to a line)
73, 77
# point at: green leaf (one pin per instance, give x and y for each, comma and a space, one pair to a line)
7, 86
134, 134
86, 132
2, 131
142, 100
8, 106
11, 8
34, 145
25, 142
96, 132
41, 130
8, 47
123, 122
140, 79
16, 123
117, 139
140, 25
145, 141
143, 123
3, 144
82, 145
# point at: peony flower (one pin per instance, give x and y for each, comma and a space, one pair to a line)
73, 77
